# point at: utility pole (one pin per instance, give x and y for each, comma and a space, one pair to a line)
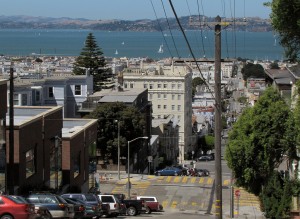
10, 167
218, 121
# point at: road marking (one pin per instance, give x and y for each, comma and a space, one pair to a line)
174, 204
201, 181
184, 179
210, 181
169, 178
193, 180
226, 182
177, 179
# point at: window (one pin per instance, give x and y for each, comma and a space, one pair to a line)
158, 96
173, 86
165, 106
37, 96
24, 100
125, 85
30, 164
150, 96
77, 90
179, 97
179, 117
76, 165
50, 92
179, 86
173, 107
165, 85
150, 86
158, 85
158, 116
179, 107
16, 99
158, 106
131, 85
145, 86
165, 96
173, 96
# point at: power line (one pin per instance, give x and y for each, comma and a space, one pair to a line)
188, 44
204, 55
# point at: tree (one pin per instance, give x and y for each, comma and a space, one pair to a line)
206, 143
274, 65
251, 70
285, 19
258, 141
195, 82
132, 125
91, 59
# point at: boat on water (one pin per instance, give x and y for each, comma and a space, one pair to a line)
161, 50
116, 53
123, 43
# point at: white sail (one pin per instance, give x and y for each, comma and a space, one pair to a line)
116, 52
160, 50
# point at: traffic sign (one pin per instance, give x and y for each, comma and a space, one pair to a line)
237, 193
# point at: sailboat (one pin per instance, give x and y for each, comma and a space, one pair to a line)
161, 50
116, 53
123, 43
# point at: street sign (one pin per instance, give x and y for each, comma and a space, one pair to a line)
237, 193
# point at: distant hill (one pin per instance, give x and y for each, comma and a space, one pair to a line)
29, 22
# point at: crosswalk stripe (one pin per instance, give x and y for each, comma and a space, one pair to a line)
201, 181
184, 179
177, 179
174, 204
169, 178
193, 180
165, 204
210, 181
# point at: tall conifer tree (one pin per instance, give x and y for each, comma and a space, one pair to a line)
91, 58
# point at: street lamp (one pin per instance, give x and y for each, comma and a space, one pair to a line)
128, 163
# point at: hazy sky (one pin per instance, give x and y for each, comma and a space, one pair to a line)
132, 9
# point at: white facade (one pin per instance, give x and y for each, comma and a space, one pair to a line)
169, 89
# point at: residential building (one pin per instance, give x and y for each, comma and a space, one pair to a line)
169, 89
3, 111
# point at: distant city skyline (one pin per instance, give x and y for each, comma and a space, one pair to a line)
133, 9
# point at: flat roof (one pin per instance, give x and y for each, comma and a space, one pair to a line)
72, 127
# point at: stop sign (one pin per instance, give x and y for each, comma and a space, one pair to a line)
237, 193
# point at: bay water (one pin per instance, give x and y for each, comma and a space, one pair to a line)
251, 45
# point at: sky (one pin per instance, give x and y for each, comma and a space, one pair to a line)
133, 9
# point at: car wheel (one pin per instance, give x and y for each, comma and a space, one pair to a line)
47, 215
148, 210
131, 211
159, 174
175, 174
7, 216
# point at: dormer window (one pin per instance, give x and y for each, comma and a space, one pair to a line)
77, 90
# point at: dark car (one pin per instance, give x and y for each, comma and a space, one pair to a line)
184, 169
57, 206
14, 208
89, 199
206, 158
79, 208
169, 171
201, 172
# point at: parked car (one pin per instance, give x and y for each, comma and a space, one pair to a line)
184, 169
133, 206
56, 205
201, 172
14, 208
89, 199
40, 211
205, 158
169, 171
113, 202
151, 204
79, 208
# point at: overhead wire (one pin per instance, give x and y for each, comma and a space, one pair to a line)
195, 35
204, 54
189, 46
226, 37
170, 29
161, 29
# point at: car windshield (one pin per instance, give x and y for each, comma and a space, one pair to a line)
91, 198
17, 199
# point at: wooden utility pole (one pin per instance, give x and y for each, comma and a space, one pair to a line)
218, 122
10, 167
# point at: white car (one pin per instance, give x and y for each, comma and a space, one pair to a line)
113, 202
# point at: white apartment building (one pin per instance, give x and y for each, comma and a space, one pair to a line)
170, 90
